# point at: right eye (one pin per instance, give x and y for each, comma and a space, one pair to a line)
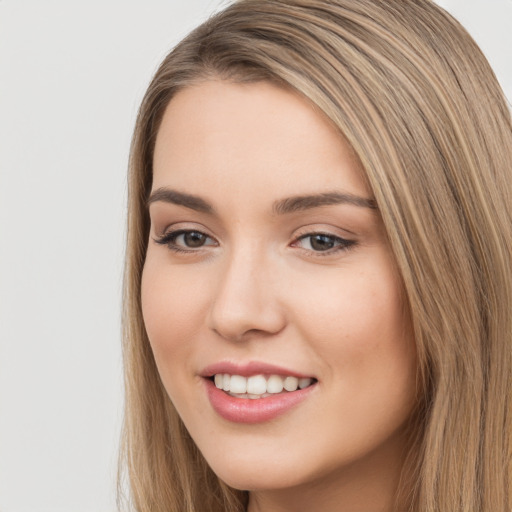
185, 240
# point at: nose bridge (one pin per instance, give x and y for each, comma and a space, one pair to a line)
245, 299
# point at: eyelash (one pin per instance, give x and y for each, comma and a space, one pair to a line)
169, 239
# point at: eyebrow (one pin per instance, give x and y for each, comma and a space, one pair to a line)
181, 199
300, 203
279, 207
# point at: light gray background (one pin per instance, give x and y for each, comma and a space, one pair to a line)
71, 77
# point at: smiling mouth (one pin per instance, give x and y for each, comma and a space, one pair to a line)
259, 386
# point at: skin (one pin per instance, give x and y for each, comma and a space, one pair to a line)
258, 289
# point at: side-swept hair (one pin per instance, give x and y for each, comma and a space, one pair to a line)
419, 104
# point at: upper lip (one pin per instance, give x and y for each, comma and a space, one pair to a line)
248, 369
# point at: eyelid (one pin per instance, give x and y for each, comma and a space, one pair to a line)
324, 228
161, 228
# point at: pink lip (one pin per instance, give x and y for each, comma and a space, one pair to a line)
247, 410
248, 369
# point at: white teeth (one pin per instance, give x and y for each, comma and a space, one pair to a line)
238, 384
304, 383
257, 386
219, 380
275, 384
290, 383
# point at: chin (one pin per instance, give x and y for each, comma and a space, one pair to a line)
247, 473
255, 480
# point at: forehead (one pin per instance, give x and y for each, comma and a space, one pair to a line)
251, 138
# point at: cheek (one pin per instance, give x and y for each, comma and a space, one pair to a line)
171, 310
357, 322
364, 309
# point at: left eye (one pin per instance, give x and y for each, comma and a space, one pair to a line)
320, 242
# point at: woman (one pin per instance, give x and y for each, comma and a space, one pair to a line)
318, 278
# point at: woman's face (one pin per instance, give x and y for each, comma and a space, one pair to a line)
268, 266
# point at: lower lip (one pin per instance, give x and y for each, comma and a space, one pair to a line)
258, 410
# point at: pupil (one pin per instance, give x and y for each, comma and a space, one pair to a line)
194, 239
322, 242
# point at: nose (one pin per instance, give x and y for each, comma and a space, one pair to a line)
246, 301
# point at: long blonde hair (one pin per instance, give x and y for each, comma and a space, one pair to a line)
418, 102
